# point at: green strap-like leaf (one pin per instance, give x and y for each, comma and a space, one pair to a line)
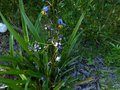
17, 72
82, 82
60, 84
28, 22
14, 84
11, 45
73, 38
8, 58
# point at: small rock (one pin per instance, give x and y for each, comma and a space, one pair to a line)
3, 28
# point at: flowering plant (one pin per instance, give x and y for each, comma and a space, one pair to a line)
40, 62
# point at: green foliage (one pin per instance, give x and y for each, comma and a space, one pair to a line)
36, 70
92, 29
113, 57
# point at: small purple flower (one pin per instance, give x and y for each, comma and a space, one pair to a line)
60, 47
45, 10
61, 23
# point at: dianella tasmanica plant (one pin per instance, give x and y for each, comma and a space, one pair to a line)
40, 61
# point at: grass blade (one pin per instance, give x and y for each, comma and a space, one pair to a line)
12, 83
82, 82
11, 45
73, 38
12, 59
60, 84
28, 22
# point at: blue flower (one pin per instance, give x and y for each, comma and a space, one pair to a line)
61, 23
45, 10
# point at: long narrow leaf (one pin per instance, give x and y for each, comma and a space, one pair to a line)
12, 83
71, 42
61, 84
39, 28
25, 31
14, 59
17, 72
11, 45
28, 22
82, 82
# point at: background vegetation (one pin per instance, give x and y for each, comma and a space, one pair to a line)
99, 30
